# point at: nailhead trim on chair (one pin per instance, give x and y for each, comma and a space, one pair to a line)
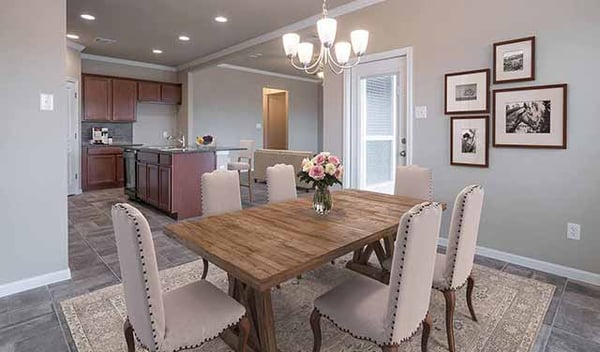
449, 286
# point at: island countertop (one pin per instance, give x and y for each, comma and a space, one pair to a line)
187, 150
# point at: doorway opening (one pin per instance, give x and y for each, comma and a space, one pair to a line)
377, 124
275, 118
73, 145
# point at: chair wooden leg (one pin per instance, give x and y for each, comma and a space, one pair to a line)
470, 286
128, 331
426, 331
389, 348
315, 324
204, 269
450, 302
244, 326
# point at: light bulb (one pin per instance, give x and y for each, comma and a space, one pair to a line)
342, 52
305, 52
327, 28
290, 44
360, 40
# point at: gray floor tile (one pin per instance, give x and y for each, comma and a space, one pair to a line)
561, 341
48, 341
518, 270
489, 262
26, 330
542, 339
579, 321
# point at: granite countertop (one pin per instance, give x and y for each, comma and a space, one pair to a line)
187, 150
119, 145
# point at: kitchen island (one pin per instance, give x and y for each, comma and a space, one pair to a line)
169, 178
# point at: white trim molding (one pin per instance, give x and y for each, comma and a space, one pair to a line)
294, 27
75, 46
114, 60
268, 73
551, 268
34, 282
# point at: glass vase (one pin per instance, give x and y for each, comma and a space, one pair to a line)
322, 202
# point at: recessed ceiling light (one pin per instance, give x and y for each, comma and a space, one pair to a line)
184, 38
72, 36
157, 51
221, 19
87, 16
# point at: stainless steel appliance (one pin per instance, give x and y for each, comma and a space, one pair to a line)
130, 172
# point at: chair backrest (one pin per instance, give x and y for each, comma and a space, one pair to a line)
462, 239
220, 192
249, 144
141, 283
414, 182
412, 271
281, 183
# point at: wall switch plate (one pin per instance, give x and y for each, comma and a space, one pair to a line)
573, 231
165, 134
421, 112
259, 126
46, 102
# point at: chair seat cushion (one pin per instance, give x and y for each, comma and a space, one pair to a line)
239, 165
357, 306
439, 281
197, 313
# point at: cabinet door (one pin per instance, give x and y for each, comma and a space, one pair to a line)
120, 167
171, 93
152, 195
101, 171
124, 99
141, 181
149, 92
97, 99
164, 191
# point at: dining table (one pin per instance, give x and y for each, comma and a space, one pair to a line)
264, 246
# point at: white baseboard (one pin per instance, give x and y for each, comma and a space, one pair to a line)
34, 282
556, 269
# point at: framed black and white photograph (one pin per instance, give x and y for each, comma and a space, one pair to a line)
469, 141
514, 60
467, 92
531, 117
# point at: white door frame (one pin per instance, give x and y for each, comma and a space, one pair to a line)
347, 108
75, 123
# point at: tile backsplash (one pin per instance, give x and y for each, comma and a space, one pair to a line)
120, 132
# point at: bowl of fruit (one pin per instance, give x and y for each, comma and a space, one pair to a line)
205, 140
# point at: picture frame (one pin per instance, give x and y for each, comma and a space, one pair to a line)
530, 117
469, 141
514, 60
467, 92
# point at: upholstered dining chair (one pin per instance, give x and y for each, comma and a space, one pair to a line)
281, 183
244, 163
220, 195
453, 269
414, 181
184, 318
389, 314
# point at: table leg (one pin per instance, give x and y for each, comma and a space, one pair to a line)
360, 261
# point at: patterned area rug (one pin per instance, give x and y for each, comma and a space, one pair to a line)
510, 309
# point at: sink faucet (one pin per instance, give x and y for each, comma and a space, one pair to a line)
182, 141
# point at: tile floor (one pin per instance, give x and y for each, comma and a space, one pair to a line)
32, 321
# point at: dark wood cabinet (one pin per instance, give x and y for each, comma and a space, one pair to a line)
149, 91
97, 98
124, 100
141, 181
102, 167
170, 93
164, 191
152, 196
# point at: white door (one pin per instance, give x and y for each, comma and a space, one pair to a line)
73, 144
377, 124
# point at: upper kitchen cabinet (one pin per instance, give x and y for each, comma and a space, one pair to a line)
155, 92
149, 92
170, 93
124, 100
97, 98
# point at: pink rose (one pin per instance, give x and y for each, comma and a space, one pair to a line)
339, 173
319, 159
334, 160
317, 172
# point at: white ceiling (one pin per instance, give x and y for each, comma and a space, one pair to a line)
138, 26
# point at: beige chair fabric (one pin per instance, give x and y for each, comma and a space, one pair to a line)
281, 183
183, 318
414, 182
220, 193
264, 158
389, 315
453, 269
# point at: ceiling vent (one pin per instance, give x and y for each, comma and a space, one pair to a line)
101, 40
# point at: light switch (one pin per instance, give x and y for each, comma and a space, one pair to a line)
258, 126
46, 102
421, 112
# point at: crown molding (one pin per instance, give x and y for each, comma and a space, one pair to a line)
335, 12
114, 60
267, 73
75, 46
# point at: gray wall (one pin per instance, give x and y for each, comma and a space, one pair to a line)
33, 181
152, 119
228, 104
530, 194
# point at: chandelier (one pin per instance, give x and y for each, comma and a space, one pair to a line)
327, 28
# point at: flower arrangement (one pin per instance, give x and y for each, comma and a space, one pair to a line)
323, 171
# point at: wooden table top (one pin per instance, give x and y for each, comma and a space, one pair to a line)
267, 245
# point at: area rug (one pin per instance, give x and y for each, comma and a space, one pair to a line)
510, 310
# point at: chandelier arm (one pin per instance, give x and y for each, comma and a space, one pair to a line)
295, 65
335, 70
318, 61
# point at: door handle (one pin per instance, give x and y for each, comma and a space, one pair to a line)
403, 153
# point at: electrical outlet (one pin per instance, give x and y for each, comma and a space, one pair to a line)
46, 102
421, 112
573, 231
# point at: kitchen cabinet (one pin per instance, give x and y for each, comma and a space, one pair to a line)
109, 99
170, 93
164, 191
102, 167
152, 194
149, 91
141, 181
124, 100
